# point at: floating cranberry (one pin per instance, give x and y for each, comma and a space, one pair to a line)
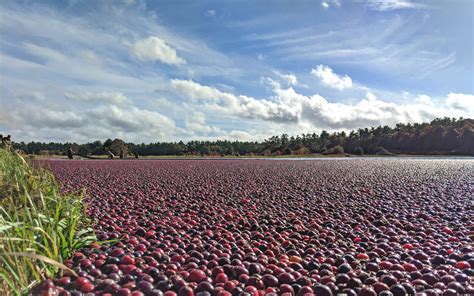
87, 287
64, 281
362, 256
462, 265
286, 278
221, 278
270, 280
322, 290
344, 268
197, 275
332, 226
128, 260
458, 287
186, 291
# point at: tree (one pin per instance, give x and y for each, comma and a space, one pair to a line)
338, 149
441, 136
117, 146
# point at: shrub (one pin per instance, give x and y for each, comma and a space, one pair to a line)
358, 150
39, 226
302, 151
287, 151
338, 149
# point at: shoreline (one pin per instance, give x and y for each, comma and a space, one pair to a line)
261, 157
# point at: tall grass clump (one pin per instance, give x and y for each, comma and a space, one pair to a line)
39, 226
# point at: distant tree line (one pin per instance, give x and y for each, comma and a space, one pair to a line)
441, 136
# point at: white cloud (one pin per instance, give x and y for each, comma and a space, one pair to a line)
155, 49
424, 100
461, 102
116, 98
131, 120
212, 99
289, 79
293, 109
386, 5
331, 79
327, 3
46, 120
196, 123
211, 13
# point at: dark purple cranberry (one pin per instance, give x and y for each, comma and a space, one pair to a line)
205, 286
398, 290
389, 280
164, 285
322, 290
145, 286
456, 286
344, 268
270, 280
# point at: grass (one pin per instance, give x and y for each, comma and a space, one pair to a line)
39, 226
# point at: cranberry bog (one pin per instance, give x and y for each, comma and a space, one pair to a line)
273, 227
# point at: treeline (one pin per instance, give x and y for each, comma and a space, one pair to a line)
448, 136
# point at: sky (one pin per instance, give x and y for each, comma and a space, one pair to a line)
153, 71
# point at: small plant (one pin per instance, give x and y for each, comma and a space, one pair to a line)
39, 226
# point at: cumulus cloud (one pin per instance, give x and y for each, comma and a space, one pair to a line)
130, 119
331, 79
289, 79
295, 109
40, 120
243, 106
196, 123
387, 5
156, 49
461, 102
424, 100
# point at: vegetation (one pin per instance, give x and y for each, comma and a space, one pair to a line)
117, 146
39, 226
441, 136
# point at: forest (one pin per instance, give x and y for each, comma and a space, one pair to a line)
442, 136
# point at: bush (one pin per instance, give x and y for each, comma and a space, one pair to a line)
382, 151
39, 227
358, 150
287, 151
338, 149
302, 151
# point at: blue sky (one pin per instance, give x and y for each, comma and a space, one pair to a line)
180, 70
